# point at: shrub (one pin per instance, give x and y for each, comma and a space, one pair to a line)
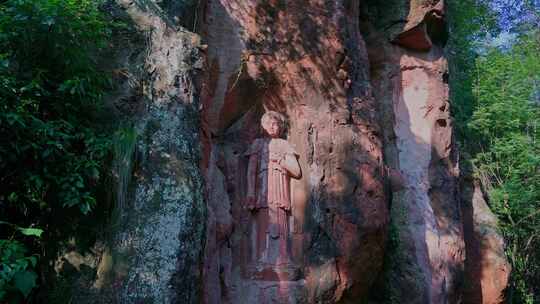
54, 144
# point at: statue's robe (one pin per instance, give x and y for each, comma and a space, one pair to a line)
272, 187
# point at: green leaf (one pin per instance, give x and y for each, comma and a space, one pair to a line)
4, 63
31, 231
25, 281
33, 261
85, 208
94, 173
12, 197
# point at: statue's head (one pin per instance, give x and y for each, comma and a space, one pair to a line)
273, 123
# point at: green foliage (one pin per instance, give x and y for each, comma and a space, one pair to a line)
49, 94
25, 231
17, 276
495, 102
505, 124
54, 142
470, 22
504, 89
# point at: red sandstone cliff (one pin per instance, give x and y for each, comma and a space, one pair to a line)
307, 60
378, 214
409, 71
364, 86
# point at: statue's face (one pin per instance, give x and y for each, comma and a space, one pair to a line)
273, 128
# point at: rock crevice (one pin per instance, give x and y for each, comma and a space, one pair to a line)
376, 214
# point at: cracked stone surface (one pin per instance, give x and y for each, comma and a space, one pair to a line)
378, 213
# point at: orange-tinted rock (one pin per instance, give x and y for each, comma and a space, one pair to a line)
344, 95
424, 20
415, 38
408, 68
486, 268
306, 60
369, 122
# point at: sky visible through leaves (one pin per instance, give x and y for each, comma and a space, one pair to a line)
514, 14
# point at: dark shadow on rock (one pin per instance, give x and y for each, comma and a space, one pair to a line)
289, 51
420, 43
473, 271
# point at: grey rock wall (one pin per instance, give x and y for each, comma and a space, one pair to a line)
155, 241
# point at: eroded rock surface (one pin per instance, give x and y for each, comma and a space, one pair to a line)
487, 268
161, 235
155, 249
363, 86
409, 75
306, 60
